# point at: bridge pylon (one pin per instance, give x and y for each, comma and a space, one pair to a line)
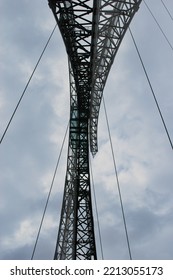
92, 31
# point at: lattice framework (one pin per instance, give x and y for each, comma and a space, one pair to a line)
92, 32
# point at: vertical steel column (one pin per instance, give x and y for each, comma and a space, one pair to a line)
76, 232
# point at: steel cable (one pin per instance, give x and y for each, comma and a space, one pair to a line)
159, 26
118, 184
48, 197
152, 90
166, 8
97, 215
24, 91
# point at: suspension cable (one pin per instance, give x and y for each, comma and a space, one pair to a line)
24, 91
152, 90
159, 26
166, 8
118, 184
48, 197
97, 215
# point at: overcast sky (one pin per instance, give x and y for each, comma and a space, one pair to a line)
30, 149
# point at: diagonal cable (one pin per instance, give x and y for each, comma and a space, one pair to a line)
24, 91
159, 26
118, 184
152, 90
48, 197
166, 8
97, 215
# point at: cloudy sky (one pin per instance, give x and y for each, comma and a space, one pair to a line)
29, 151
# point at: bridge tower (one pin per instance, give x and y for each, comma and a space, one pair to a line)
92, 31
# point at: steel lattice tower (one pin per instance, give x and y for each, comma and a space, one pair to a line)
92, 31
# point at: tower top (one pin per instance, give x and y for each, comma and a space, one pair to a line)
92, 32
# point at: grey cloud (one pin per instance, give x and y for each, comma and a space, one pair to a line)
29, 151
